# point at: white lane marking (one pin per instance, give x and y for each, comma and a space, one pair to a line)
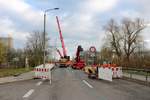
28, 93
50, 81
87, 84
39, 83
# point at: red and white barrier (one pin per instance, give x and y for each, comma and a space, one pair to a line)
105, 73
43, 73
108, 73
117, 72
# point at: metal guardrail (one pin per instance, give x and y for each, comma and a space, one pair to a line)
143, 72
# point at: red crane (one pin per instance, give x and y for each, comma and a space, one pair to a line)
64, 59
79, 63
61, 38
79, 50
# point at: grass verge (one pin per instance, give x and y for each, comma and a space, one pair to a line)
4, 72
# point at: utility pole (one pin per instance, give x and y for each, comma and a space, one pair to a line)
44, 45
44, 37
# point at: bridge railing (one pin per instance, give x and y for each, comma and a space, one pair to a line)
142, 74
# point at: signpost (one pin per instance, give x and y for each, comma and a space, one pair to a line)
92, 53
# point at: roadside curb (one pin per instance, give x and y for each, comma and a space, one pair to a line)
15, 81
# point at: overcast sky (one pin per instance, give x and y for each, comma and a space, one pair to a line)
81, 20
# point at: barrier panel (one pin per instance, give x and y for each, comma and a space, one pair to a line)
117, 72
105, 73
108, 73
43, 73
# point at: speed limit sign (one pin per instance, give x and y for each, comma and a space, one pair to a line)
92, 49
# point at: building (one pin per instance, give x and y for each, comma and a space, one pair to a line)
7, 41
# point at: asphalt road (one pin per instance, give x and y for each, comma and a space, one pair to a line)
69, 84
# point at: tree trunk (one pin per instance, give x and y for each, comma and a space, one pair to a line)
128, 60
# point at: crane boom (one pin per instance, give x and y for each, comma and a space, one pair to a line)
61, 38
59, 52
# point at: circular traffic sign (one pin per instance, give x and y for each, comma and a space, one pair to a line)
92, 49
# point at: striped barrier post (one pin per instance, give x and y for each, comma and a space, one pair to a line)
117, 72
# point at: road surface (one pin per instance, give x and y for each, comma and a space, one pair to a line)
69, 84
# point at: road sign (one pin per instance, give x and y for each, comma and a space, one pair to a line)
92, 49
92, 54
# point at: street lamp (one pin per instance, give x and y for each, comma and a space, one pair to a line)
44, 40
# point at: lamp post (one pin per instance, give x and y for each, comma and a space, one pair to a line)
44, 40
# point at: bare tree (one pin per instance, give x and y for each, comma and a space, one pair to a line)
34, 48
131, 30
106, 54
124, 38
114, 37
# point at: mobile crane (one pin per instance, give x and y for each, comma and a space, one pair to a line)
64, 59
79, 62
